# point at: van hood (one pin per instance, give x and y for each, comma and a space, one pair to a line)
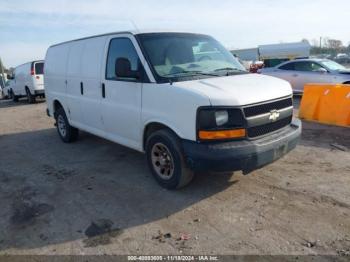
239, 90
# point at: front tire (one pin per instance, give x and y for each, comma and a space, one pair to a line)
67, 133
166, 161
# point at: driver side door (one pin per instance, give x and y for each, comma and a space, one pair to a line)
121, 97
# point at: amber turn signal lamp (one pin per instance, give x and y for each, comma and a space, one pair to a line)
222, 134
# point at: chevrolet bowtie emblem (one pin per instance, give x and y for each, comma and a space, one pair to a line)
274, 115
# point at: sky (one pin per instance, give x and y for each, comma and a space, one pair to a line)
28, 28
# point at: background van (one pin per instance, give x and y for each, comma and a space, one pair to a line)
28, 81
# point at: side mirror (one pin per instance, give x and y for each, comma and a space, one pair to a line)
123, 69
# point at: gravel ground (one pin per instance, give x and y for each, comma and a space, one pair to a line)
96, 197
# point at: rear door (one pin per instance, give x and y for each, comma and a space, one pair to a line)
308, 72
38, 75
121, 103
286, 72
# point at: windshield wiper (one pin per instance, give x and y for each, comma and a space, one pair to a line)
191, 72
229, 69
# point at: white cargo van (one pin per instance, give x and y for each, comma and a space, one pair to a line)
28, 81
181, 98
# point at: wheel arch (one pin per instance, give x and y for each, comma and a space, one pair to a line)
154, 126
56, 104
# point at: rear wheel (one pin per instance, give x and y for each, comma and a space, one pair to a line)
166, 161
14, 97
30, 97
9, 94
67, 133
347, 83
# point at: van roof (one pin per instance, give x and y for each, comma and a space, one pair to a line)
132, 32
35, 61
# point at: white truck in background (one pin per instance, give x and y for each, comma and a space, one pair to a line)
28, 81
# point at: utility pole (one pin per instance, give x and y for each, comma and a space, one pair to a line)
320, 41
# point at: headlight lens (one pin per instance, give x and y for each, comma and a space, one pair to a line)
221, 117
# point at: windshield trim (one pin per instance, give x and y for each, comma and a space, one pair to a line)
161, 79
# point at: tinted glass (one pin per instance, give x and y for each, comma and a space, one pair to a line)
289, 66
121, 48
307, 66
39, 68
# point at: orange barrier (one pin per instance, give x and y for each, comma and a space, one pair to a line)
326, 103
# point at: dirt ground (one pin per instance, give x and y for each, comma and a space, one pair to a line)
96, 197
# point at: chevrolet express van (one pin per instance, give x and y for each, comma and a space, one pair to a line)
181, 98
28, 81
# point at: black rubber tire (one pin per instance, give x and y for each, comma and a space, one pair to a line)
183, 175
346, 83
14, 97
72, 133
30, 97
9, 94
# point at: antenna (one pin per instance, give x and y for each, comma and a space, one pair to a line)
134, 24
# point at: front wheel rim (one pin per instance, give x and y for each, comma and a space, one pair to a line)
162, 161
61, 124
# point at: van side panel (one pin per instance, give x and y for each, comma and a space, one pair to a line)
91, 64
22, 79
55, 75
74, 92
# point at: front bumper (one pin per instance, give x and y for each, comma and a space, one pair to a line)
246, 155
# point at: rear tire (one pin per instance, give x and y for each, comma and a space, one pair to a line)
14, 97
67, 133
166, 161
30, 97
347, 83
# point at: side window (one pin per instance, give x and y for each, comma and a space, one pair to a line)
39, 68
289, 66
303, 66
316, 67
121, 48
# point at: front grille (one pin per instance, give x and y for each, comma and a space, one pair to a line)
268, 128
265, 108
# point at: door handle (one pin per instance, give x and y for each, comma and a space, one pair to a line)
103, 90
81, 88
295, 75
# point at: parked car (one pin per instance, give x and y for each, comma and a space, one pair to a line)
6, 91
303, 71
153, 93
28, 81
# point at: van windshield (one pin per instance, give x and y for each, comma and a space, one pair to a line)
177, 56
39, 68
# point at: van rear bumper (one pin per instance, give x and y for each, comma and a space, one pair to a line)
39, 92
246, 155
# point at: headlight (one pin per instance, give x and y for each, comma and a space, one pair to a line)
220, 123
